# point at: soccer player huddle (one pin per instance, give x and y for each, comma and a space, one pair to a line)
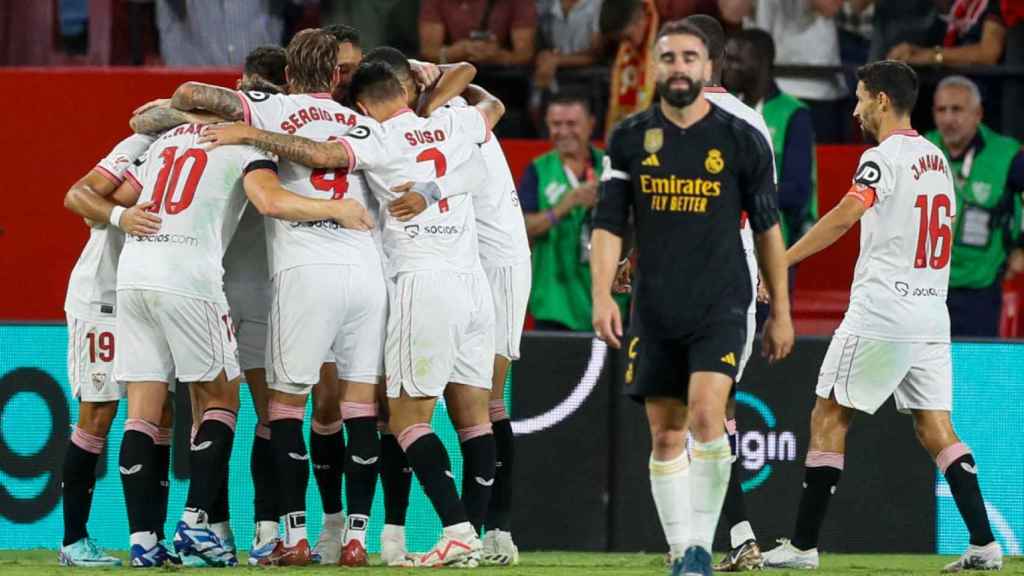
371, 254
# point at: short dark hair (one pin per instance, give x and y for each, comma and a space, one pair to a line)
896, 79
714, 34
312, 58
267, 63
674, 27
570, 97
375, 82
392, 57
761, 41
343, 33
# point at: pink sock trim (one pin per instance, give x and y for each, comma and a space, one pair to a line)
225, 417
730, 427
282, 411
951, 454
140, 425
816, 459
263, 431
467, 434
326, 429
412, 434
88, 442
163, 437
350, 410
498, 412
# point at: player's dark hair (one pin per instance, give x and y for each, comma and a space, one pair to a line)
675, 27
570, 97
896, 79
343, 33
392, 57
265, 65
761, 41
375, 82
714, 34
312, 58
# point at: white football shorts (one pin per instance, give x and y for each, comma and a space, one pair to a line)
440, 330
863, 373
92, 345
163, 336
250, 307
510, 291
326, 312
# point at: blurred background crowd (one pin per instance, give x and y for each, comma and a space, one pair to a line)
568, 70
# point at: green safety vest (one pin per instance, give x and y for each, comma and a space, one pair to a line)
561, 276
777, 111
979, 236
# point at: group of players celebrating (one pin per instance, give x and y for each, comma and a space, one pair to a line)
686, 171
320, 247
329, 245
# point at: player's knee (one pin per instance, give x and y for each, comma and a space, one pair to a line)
667, 442
96, 417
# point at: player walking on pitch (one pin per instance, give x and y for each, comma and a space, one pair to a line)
687, 336
894, 339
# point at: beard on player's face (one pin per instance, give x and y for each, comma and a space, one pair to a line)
679, 97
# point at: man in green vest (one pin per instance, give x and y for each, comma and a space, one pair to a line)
558, 192
747, 72
988, 172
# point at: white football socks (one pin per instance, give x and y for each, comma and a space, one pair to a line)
670, 486
709, 481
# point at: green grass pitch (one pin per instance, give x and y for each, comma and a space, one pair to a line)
40, 562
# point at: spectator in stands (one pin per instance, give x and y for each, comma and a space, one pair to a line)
805, 33
557, 193
730, 13
975, 34
216, 32
747, 72
988, 172
498, 32
632, 24
911, 21
855, 28
569, 38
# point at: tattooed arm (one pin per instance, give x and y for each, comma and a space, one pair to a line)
295, 148
158, 119
214, 99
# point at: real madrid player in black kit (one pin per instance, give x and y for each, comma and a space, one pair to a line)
686, 170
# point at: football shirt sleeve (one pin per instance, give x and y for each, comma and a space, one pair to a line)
757, 182
366, 148
262, 110
613, 203
873, 180
116, 163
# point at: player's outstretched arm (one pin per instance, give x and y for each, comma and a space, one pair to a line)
771, 257
295, 148
486, 103
605, 249
266, 193
99, 200
826, 231
454, 80
214, 99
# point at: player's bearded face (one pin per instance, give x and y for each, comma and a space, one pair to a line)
678, 89
867, 112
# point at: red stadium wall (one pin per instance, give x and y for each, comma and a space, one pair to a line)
63, 120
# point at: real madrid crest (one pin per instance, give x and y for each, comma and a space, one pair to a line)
654, 138
714, 163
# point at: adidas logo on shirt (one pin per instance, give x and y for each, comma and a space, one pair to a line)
651, 160
729, 359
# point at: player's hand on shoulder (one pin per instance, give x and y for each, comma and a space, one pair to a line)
409, 204
226, 134
353, 215
778, 338
156, 103
138, 222
425, 74
607, 320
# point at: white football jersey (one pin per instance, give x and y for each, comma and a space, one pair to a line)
199, 196
501, 227
733, 105
902, 274
92, 288
245, 261
407, 148
317, 117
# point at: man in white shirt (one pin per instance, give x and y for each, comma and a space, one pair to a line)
894, 339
